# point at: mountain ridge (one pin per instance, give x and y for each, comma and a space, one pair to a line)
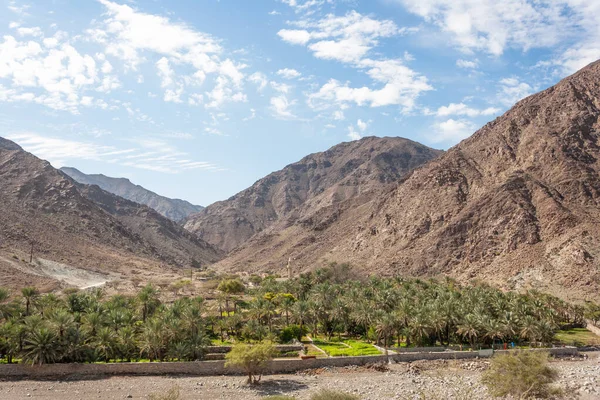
174, 209
313, 185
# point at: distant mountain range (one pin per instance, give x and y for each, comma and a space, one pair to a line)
174, 209
82, 225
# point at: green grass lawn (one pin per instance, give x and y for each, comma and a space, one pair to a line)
339, 349
577, 337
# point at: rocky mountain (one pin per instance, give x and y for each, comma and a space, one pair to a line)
517, 204
79, 225
174, 209
310, 192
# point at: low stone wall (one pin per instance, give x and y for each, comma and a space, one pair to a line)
206, 368
282, 348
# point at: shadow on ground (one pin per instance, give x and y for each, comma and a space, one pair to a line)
273, 387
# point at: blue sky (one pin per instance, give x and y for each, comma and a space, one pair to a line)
199, 99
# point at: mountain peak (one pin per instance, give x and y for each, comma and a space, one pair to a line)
8, 145
310, 190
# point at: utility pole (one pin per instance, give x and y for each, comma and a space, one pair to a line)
31, 253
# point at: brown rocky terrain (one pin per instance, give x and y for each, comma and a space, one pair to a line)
174, 209
74, 226
311, 191
515, 204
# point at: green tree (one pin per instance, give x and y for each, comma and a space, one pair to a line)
251, 358
29, 294
41, 347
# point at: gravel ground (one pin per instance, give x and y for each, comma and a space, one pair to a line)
443, 379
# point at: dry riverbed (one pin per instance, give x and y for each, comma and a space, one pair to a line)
446, 379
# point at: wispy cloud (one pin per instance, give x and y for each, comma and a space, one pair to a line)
145, 153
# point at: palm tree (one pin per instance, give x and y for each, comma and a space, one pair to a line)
494, 330
148, 298
126, 343
29, 293
469, 329
92, 322
41, 347
529, 329
385, 326
62, 322
105, 343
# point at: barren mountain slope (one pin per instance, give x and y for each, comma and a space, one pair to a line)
515, 204
309, 189
81, 225
174, 209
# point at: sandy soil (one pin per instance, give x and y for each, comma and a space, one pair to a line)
447, 379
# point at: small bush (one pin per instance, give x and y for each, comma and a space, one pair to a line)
333, 395
291, 332
172, 394
523, 375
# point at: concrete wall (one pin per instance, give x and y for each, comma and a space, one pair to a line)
206, 368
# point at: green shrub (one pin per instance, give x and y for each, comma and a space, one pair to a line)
291, 332
523, 375
333, 395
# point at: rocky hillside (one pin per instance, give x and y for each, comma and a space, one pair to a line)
310, 191
174, 209
82, 225
518, 204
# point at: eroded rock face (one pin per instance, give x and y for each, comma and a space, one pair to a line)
518, 199
309, 191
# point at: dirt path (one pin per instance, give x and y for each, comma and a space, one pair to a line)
401, 381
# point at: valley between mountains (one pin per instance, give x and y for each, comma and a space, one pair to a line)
515, 205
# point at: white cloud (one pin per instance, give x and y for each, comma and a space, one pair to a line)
55, 74
280, 87
355, 134
401, 86
289, 73
467, 64
35, 31
493, 26
349, 39
259, 79
281, 107
306, 7
362, 125
512, 90
452, 131
187, 56
464, 110
345, 38
58, 151
294, 36
338, 115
